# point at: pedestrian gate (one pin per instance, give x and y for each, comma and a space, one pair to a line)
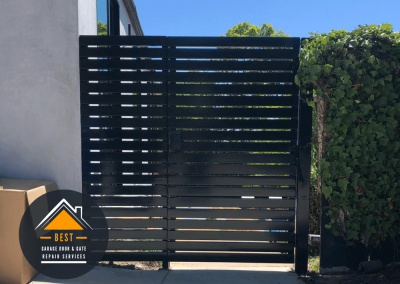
197, 147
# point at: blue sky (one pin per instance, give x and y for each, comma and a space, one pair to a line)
294, 17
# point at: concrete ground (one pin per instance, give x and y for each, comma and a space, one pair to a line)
182, 273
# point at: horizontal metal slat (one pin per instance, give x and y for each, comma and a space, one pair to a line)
223, 89
234, 100
130, 223
127, 190
124, 145
122, 88
232, 112
231, 191
230, 202
239, 135
132, 234
123, 64
130, 201
126, 212
232, 158
231, 77
133, 190
135, 256
108, 168
129, 179
146, 75
123, 134
232, 225
232, 257
231, 213
230, 169
117, 99
235, 41
229, 123
231, 236
114, 157
123, 111
231, 246
85, 51
123, 122
233, 53
123, 40
231, 180
238, 146
203, 65
127, 245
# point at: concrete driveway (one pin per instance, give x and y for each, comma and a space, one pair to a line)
183, 275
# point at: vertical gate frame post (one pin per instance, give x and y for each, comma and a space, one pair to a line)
303, 183
166, 264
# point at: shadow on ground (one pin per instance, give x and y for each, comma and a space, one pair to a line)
123, 276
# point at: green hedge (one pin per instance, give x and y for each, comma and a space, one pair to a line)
356, 87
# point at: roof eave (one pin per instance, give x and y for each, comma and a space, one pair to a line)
133, 16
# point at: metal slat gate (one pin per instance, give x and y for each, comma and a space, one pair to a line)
197, 147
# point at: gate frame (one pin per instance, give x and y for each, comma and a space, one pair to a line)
303, 162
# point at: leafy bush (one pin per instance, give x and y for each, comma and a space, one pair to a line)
356, 94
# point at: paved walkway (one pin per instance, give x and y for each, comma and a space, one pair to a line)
183, 275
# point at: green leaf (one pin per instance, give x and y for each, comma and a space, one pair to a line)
365, 108
348, 171
352, 235
339, 94
354, 177
314, 69
342, 183
311, 104
296, 80
327, 191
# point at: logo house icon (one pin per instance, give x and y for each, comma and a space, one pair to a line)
64, 217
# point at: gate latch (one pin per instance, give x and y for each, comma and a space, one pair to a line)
175, 141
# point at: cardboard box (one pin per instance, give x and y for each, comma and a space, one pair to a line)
15, 197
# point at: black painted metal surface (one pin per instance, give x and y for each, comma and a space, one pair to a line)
196, 145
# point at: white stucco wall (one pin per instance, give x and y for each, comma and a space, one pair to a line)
87, 13
124, 19
39, 91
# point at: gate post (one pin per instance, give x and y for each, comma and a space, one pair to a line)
303, 183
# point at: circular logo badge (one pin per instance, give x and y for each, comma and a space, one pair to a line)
63, 234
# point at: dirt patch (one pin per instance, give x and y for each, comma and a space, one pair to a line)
390, 275
133, 265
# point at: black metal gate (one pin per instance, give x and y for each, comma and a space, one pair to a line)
197, 147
